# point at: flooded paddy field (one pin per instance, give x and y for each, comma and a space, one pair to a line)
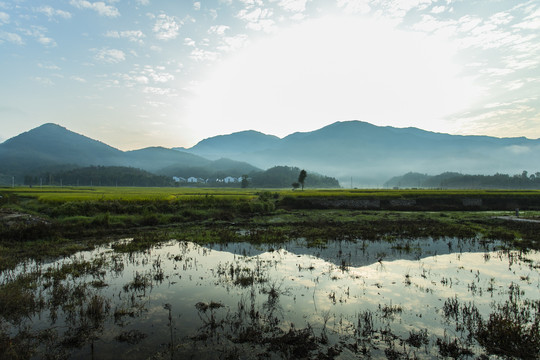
409, 298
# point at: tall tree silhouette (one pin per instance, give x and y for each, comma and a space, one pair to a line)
302, 178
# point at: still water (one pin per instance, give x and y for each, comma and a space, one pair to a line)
418, 298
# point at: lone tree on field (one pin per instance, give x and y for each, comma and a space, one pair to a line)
302, 178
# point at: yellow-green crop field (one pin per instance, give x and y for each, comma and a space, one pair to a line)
65, 194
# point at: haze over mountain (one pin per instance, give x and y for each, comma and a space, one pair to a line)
234, 144
372, 154
51, 147
368, 154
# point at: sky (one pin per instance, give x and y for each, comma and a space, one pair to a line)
138, 73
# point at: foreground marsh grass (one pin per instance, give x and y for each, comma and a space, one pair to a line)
85, 297
356, 298
51, 222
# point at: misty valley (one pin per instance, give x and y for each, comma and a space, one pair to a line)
349, 154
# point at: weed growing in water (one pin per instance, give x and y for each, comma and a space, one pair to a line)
418, 338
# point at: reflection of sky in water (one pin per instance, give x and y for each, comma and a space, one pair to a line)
338, 282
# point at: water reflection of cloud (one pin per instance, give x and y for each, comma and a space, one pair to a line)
307, 289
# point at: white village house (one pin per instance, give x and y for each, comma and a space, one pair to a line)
195, 180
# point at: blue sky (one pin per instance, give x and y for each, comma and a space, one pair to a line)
137, 73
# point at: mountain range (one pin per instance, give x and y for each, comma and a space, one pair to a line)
53, 148
371, 154
355, 152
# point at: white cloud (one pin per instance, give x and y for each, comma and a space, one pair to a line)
257, 19
531, 23
497, 71
157, 74
266, 25
197, 6
166, 27
233, 43
48, 66
11, 37
51, 13
38, 32
111, 56
252, 3
400, 8
131, 35
43, 81
501, 121
78, 79
254, 15
189, 42
143, 2
514, 85
100, 7
203, 55
144, 76
142, 79
218, 29
159, 91
430, 24
469, 23
522, 61
438, 9
501, 18
46, 41
4, 17
354, 6
293, 5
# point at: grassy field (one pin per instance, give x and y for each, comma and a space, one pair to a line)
62, 194
49, 223
53, 221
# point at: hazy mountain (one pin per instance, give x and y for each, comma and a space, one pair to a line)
372, 154
156, 158
52, 148
356, 153
232, 145
213, 169
413, 180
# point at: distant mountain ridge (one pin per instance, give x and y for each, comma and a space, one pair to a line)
53, 148
233, 144
356, 153
372, 154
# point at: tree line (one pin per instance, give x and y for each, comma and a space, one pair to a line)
450, 180
99, 176
276, 177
